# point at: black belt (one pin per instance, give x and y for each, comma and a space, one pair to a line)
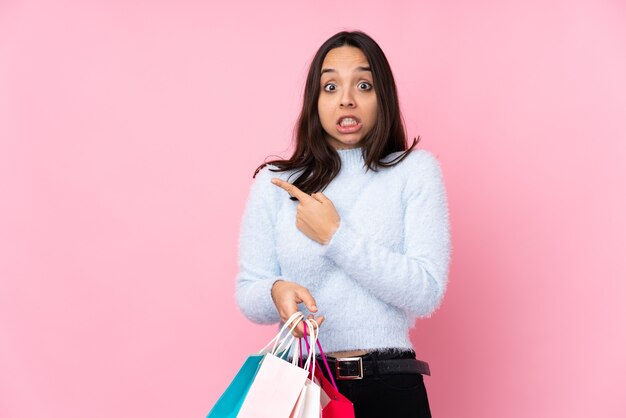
354, 368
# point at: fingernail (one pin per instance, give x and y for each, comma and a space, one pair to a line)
314, 308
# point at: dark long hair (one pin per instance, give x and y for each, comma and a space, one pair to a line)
314, 159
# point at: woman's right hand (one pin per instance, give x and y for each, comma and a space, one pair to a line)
287, 295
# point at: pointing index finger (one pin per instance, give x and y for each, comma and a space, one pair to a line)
291, 189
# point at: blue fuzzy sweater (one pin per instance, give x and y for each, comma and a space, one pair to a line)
386, 264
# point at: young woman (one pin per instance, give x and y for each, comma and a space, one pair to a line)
353, 226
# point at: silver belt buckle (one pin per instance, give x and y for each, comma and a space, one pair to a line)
338, 362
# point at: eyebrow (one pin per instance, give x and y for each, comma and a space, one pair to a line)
332, 70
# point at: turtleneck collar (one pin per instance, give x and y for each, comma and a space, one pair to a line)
351, 159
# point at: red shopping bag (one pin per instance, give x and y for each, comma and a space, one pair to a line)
334, 404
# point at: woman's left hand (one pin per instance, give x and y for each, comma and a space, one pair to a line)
316, 215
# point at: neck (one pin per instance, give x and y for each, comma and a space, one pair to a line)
351, 159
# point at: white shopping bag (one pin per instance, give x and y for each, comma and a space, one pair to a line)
278, 383
309, 402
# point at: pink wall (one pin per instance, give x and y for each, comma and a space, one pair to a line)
128, 136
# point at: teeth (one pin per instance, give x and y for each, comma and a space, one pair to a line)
348, 122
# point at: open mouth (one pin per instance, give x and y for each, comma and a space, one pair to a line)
348, 121
348, 124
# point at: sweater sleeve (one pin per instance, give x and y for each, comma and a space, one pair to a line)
258, 265
415, 279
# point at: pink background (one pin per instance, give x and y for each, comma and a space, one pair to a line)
129, 132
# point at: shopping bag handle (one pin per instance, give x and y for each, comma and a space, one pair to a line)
311, 360
282, 343
330, 373
279, 340
309, 365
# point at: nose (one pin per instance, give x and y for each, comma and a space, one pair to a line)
346, 99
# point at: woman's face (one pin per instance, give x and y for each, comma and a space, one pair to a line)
347, 104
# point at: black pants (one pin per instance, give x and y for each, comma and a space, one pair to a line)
387, 396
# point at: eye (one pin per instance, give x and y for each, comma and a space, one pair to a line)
330, 87
364, 85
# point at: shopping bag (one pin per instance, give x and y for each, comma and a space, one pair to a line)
333, 403
309, 402
278, 383
230, 402
311, 407
228, 405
